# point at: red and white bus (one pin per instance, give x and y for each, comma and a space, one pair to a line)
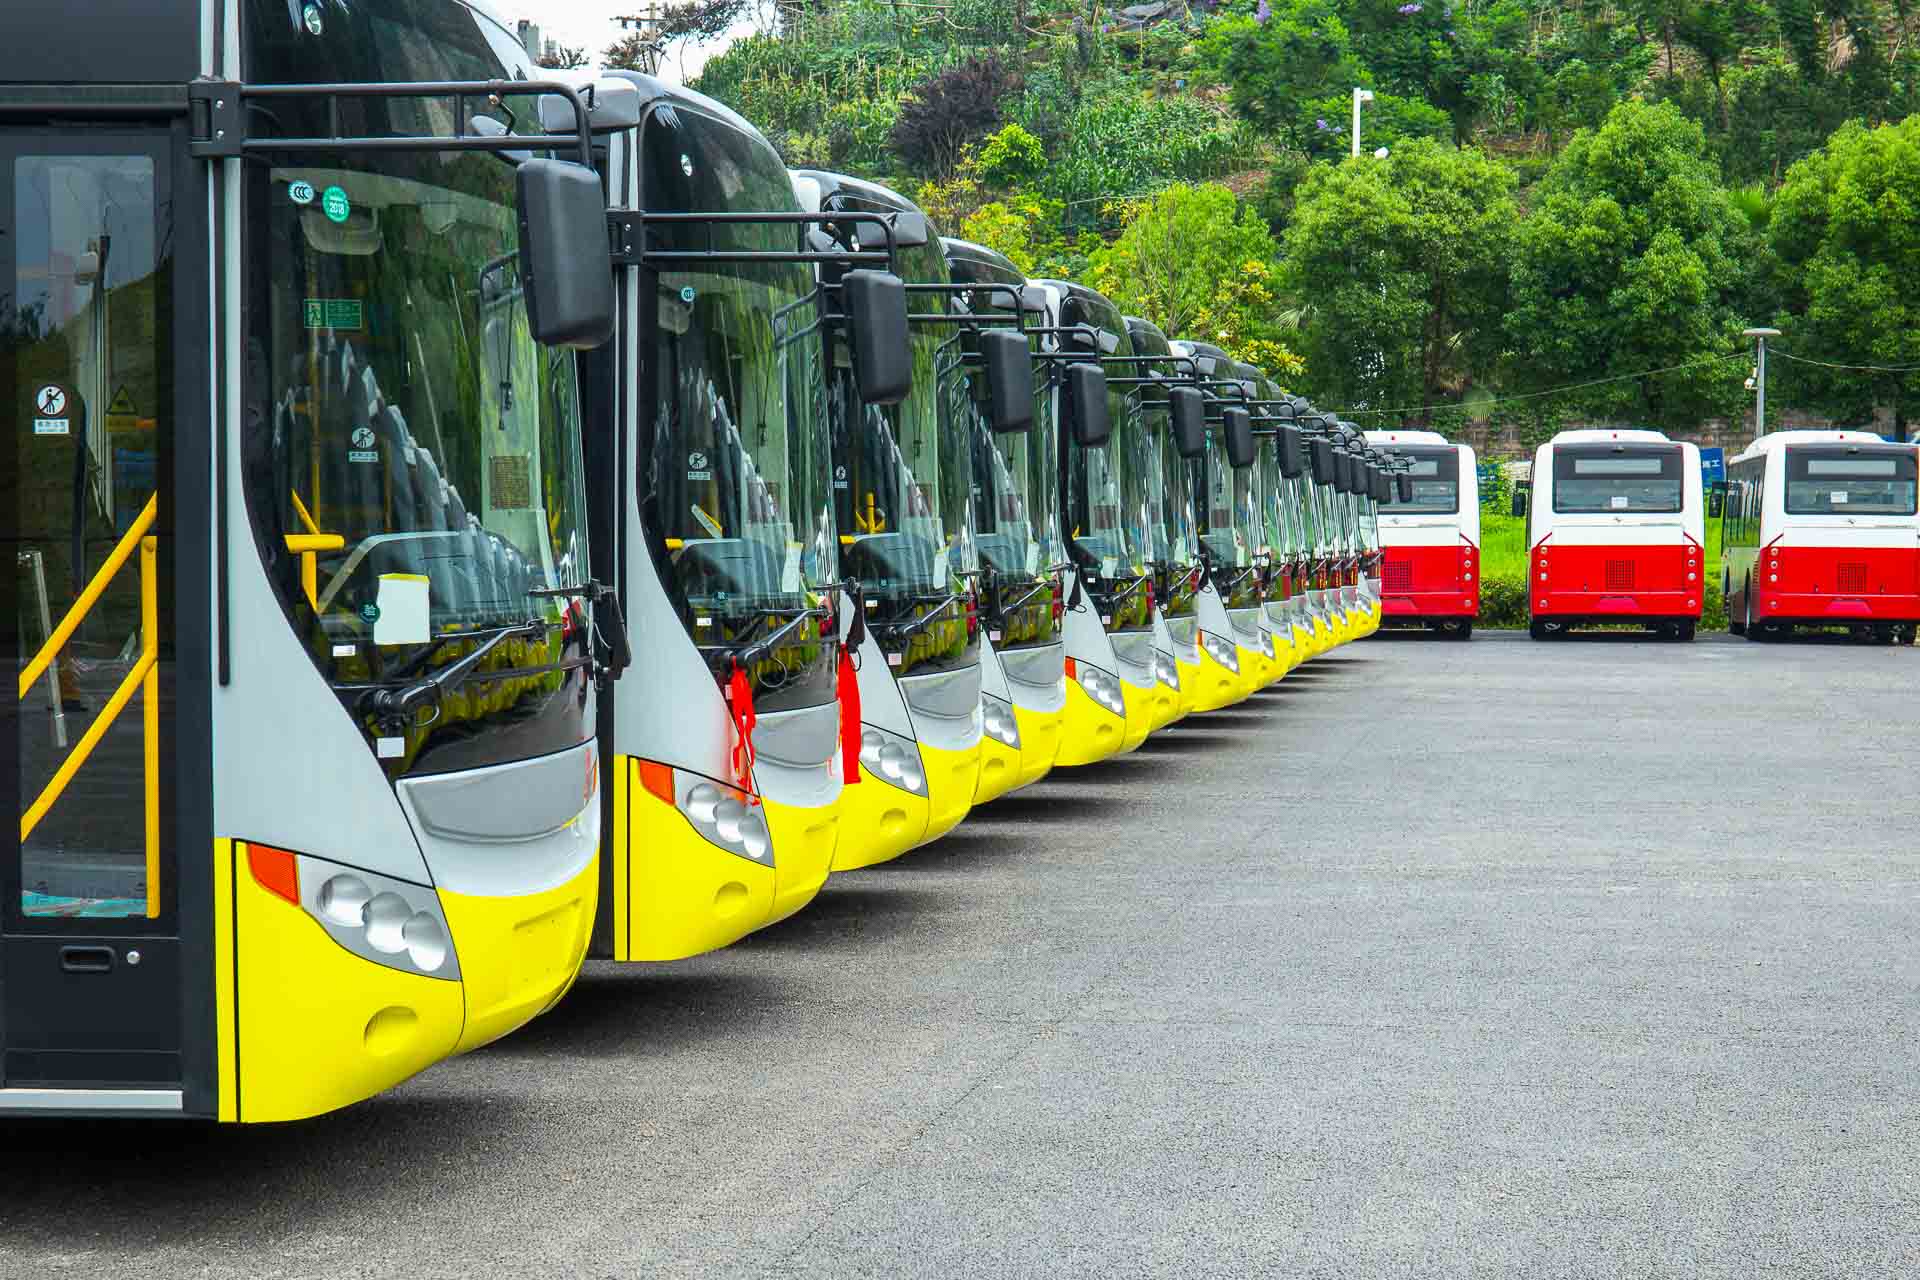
1431, 545
1616, 533
1821, 529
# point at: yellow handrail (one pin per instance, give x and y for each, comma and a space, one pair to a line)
145, 678
91, 596
306, 546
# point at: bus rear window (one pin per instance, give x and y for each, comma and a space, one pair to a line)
1606, 478
1436, 483
1851, 481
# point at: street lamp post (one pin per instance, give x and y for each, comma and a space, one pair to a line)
1359, 96
1760, 337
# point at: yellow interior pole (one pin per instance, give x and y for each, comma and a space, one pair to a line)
150, 711
90, 597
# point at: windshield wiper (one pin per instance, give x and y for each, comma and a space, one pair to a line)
397, 706
899, 632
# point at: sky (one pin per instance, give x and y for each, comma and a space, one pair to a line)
589, 24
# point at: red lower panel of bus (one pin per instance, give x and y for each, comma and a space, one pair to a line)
1430, 582
1619, 581
1837, 584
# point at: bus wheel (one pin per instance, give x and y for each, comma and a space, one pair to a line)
1463, 629
1883, 635
1745, 622
1685, 631
1537, 629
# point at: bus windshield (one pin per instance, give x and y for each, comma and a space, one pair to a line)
1615, 478
413, 457
1436, 481
1850, 480
735, 477
902, 480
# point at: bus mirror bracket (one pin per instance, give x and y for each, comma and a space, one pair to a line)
1009, 364
1404, 483
566, 266
1188, 409
1519, 501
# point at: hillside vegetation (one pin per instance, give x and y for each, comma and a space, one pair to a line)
1581, 206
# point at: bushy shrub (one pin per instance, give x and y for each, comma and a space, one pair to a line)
1010, 157
946, 112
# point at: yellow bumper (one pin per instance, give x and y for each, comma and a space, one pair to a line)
518, 955
314, 1027
1163, 706
1091, 732
1139, 704
999, 770
1213, 685
1041, 733
953, 777
804, 845
1303, 643
1188, 698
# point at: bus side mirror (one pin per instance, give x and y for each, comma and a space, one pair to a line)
910, 229
1321, 455
876, 310
1188, 410
1404, 482
1092, 424
1293, 452
1519, 502
1240, 444
566, 265
1009, 364
1380, 482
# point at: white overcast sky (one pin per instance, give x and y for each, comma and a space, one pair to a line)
590, 25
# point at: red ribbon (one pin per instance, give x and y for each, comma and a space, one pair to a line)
740, 695
849, 717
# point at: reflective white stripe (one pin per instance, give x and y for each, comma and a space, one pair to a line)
91, 1100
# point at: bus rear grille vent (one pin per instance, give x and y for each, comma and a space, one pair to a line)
1619, 575
1399, 575
1853, 577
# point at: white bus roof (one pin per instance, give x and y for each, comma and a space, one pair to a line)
1781, 439
1406, 437
1601, 435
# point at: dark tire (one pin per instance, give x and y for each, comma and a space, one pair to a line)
1745, 622
1684, 632
1537, 629
1463, 630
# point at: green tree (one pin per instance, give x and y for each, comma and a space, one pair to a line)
1200, 268
1401, 269
1634, 259
1846, 227
1275, 65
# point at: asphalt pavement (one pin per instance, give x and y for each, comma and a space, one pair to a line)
1587, 958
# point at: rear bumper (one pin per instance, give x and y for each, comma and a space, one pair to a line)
1833, 610
1625, 606
1418, 605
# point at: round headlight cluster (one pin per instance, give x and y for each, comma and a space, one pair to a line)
1166, 670
1102, 688
1222, 651
725, 818
387, 923
894, 760
998, 719
1266, 642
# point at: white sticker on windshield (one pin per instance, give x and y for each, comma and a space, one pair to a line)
1619, 502
1839, 497
390, 748
403, 616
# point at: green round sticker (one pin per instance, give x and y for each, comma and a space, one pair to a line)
334, 201
370, 612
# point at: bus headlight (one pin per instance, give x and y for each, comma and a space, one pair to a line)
1222, 651
378, 918
1166, 670
1102, 687
997, 718
893, 759
730, 819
